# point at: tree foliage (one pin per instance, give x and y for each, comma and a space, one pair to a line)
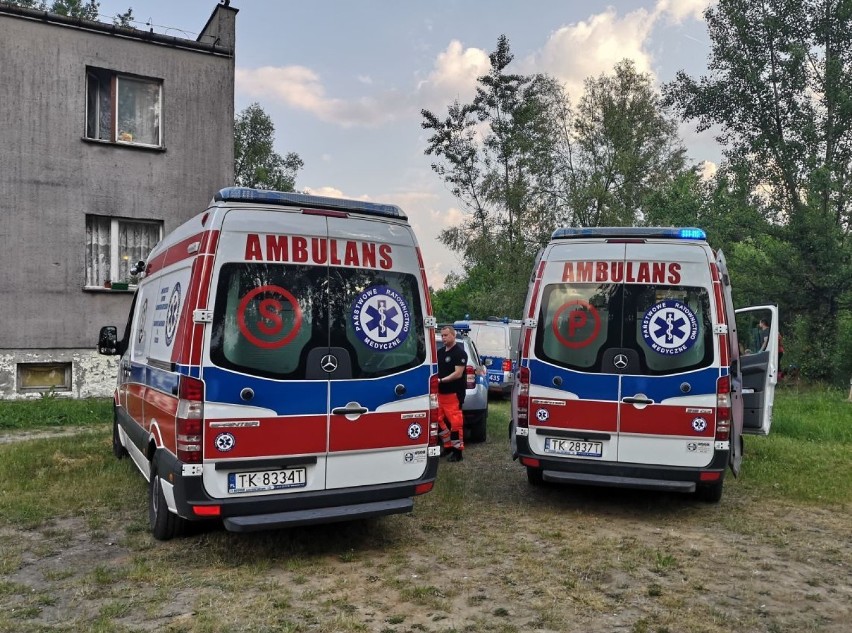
256, 163
522, 162
85, 9
780, 89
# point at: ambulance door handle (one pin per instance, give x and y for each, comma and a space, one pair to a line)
351, 409
637, 400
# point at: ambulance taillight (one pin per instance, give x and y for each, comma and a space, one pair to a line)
433, 410
523, 397
723, 408
190, 420
469, 377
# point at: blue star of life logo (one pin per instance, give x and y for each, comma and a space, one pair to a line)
172, 314
381, 318
670, 327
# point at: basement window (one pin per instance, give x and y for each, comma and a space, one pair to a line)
44, 377
123, 109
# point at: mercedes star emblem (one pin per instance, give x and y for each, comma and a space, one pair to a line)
620, 361
328, 363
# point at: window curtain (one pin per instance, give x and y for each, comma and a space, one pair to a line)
138, 111
97, 250
135, 241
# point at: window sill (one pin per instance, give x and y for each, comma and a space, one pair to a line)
100, 289
147, 148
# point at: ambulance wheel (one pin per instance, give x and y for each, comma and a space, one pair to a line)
710, 493
165, 525
535, 476
117, 448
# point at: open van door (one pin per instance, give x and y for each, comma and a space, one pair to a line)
758, 337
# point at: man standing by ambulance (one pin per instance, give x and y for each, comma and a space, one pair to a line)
452, 361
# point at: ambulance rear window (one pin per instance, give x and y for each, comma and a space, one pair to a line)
269, 317
670, 327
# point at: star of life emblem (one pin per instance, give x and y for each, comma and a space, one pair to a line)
414, 431
670, 327
381, 318
225, 442
172, 314
699, 424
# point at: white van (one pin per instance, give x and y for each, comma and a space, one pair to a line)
278, 365
630, 373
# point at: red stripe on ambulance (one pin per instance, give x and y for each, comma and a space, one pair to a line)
587, 415
659, 419
273, 436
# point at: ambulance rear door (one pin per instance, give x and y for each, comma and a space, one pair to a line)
574, 389
379, 384
667, 357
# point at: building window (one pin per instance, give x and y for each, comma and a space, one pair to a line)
114, 245
44, 377
123, 109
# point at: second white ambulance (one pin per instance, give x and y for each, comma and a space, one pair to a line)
630, 372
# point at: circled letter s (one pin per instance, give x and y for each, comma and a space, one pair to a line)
269, 310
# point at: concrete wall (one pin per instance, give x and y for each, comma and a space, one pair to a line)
51, 177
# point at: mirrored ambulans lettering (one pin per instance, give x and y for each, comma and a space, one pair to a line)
621, 271
670, 327
269, 316
302, 250
381, 318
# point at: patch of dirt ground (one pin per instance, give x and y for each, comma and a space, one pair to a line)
483, 552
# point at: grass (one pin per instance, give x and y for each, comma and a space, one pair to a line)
483, 551
54, 411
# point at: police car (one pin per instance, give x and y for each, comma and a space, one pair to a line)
497, 340
475, 407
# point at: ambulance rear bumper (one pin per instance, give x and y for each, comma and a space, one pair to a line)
301, 508
624, 475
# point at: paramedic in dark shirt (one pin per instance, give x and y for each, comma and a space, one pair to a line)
452, 361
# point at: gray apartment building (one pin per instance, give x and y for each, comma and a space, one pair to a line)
111, 137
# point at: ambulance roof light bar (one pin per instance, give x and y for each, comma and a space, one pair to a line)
244, 194
644, 232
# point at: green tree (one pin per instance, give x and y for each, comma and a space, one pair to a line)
256, 163
86, 9
522, 162
625, 148
497, 156
780, 89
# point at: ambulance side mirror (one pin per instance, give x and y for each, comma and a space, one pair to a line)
108, 341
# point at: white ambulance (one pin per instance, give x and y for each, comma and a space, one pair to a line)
630, 372
278, 365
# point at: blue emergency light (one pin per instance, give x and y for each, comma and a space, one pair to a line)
281, 198
461, 326
627, 232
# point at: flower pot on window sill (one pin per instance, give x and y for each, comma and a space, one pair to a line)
107, 284
120, 285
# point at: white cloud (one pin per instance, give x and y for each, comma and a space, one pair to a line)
453, 75
593, 46
679, 10
302, 89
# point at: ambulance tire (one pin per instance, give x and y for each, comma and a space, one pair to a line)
710, 493
117, 448
164, 524
535, 476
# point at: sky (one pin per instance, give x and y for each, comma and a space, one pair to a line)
344, 81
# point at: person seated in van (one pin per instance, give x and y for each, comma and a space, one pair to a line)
452, 361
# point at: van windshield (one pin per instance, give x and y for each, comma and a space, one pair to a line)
670, 327
268, 317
